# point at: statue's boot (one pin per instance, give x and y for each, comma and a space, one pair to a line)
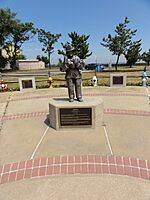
80, 99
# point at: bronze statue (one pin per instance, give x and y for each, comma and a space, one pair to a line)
73, 66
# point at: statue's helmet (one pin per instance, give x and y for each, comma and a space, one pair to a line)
69, 48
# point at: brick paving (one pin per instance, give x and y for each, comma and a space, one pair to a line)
85, 94
65, 165
22, 116
106, 111
126, 112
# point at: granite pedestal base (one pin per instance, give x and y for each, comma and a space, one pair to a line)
75, 115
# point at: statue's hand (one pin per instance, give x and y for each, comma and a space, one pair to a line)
72, 66
63, 68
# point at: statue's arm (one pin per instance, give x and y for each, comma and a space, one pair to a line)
65, 65
79, 63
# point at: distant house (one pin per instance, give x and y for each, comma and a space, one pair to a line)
30, 64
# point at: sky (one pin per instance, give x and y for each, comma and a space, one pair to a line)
96, 18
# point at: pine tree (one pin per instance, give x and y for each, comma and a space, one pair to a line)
48, 39
133, 53
146, 57
79, 44
119, 44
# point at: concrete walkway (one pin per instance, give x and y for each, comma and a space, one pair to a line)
25, 134
79, 187
24, 119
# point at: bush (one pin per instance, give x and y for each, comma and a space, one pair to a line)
13, 89
87, 83
42, 86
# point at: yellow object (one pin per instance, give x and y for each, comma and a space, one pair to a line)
50, 81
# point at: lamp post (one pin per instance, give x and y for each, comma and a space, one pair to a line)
96, 65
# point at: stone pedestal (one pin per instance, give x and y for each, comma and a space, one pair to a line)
75, 115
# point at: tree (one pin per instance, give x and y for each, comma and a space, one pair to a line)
119, 44
79, 43
44, 59
48, 39
21, 56
7, 20
133, 53
146, 57
20, 33
3, 61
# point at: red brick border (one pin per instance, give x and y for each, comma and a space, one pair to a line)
84, 164
85, 94
22, 116
106, 111
126, 112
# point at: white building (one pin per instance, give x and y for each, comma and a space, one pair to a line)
30, 64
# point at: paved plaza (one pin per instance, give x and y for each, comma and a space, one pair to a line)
25, 136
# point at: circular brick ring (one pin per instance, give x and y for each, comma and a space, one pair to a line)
85, 94
112, 111
85, 164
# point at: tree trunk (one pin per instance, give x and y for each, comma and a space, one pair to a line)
14, 66
116, 65
15, 55
49, 63
0, 56
0, 51
49, 60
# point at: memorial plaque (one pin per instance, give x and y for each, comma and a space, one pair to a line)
27, 84
118, 80
75, 116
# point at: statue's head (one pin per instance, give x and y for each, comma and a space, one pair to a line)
69, 51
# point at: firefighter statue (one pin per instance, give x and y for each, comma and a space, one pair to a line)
73, 66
